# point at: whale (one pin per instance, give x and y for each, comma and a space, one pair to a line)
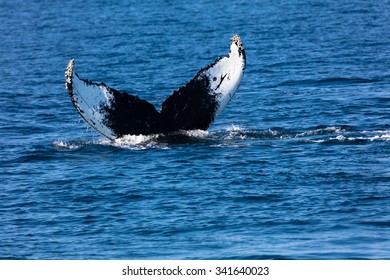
194, 106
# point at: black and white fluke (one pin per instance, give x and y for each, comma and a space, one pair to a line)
193, 106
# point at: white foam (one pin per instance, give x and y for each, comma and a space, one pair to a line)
196, 133
330, 129
139, 141
235, 132
342, 138
376, 131
278, 134
384, 137
62, 144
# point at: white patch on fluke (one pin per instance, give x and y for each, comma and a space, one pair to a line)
226, 75
88, 99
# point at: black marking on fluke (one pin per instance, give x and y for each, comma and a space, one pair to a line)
193, 106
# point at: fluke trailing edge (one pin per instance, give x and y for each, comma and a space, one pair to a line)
193, 106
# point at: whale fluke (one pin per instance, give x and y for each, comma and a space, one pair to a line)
193, 106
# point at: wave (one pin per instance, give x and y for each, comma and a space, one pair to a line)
341, 139
233, 134
343, 135
337, 81
134, 142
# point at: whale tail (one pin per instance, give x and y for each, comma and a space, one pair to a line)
193, 106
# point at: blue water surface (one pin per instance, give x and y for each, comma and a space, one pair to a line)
297, 166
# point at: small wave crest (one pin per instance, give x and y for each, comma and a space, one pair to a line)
237, 132
323, 130
343, 135
66, 145
320, 134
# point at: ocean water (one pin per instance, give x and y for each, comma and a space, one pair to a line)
296, 167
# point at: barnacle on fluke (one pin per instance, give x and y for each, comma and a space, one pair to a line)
193, 106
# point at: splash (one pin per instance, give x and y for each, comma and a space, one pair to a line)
137, 141
66, 145
234, 127
196, 133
